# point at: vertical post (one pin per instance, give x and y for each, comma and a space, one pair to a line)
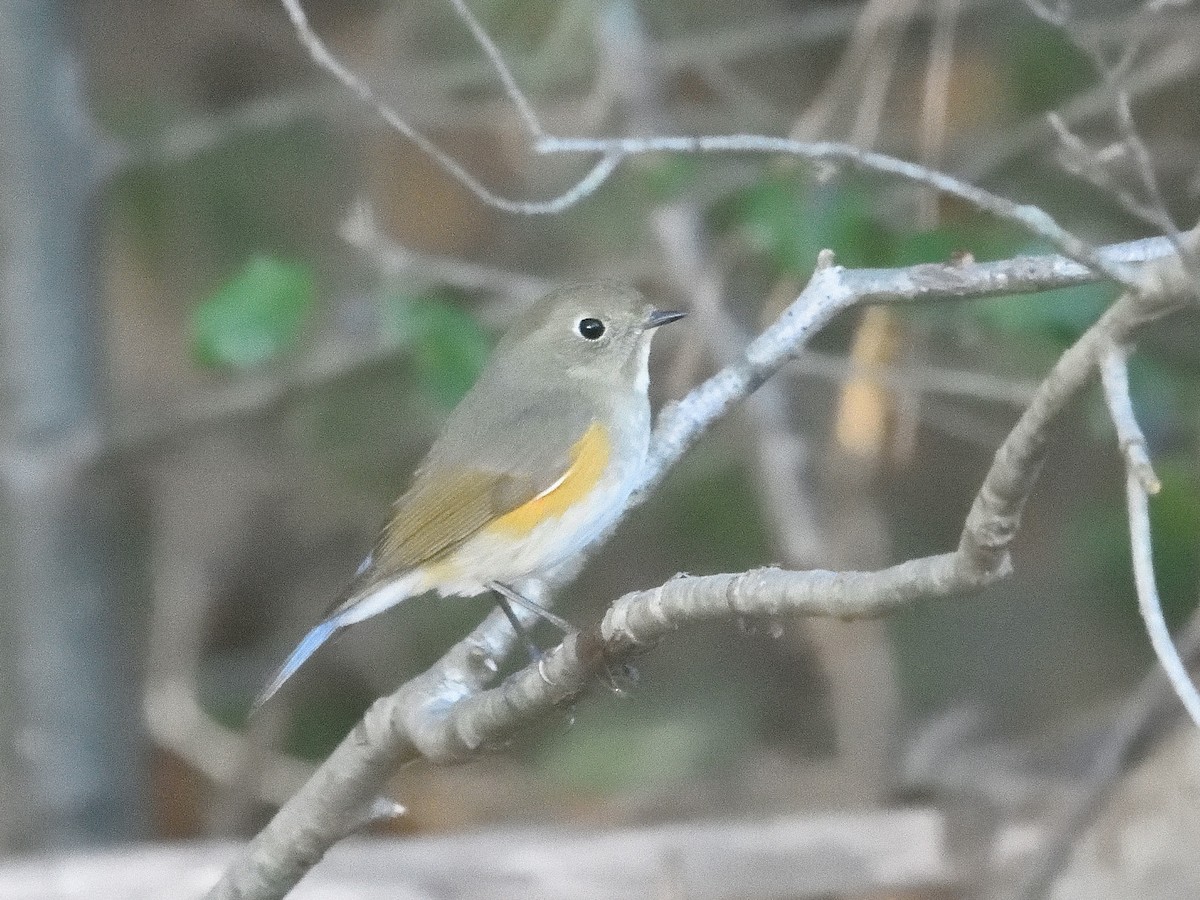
69, 733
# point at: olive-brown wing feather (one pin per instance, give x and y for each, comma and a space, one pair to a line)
443, 509
486, 464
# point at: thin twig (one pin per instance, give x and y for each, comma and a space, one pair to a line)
1161, 219
519, 100
1114, 375
1091, 165
361, 230
1149, 603
717, 47
453, 710
1145, 168
1140, 479
1140, 483
325, 58
1031, 218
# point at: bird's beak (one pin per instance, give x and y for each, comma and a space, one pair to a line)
662, 317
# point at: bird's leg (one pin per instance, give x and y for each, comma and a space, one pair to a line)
508, 594
535, 653
619, 679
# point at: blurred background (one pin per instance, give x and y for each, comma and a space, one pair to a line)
236, 307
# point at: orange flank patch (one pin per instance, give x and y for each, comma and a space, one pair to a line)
589, 458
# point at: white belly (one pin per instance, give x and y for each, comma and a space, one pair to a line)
496, 556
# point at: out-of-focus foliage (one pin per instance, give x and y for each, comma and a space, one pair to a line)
669, 177
255, 315
239, 196
448, 347
1046, 69
982, 239
1061, 315
789, 218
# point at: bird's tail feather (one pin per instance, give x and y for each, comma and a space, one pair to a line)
306, 648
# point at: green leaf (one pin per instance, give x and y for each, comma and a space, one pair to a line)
238, 194
790, 220
982, 240
448, 347
1061, 315
1045, 69
255, 315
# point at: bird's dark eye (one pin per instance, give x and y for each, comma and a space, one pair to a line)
591, 329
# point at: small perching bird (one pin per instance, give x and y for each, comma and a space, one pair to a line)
536, 461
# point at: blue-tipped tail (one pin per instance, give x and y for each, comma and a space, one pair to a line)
306, 648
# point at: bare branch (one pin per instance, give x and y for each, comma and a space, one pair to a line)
1114, 375
455, 708
519, 100
450, 712
1140, 483
323, 57
832, 290
1031, 218
721, 46
1145, 168
1094, 166
1149, 603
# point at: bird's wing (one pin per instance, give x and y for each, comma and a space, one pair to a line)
443, 509
486, 465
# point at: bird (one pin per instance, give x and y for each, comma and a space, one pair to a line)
536, 461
